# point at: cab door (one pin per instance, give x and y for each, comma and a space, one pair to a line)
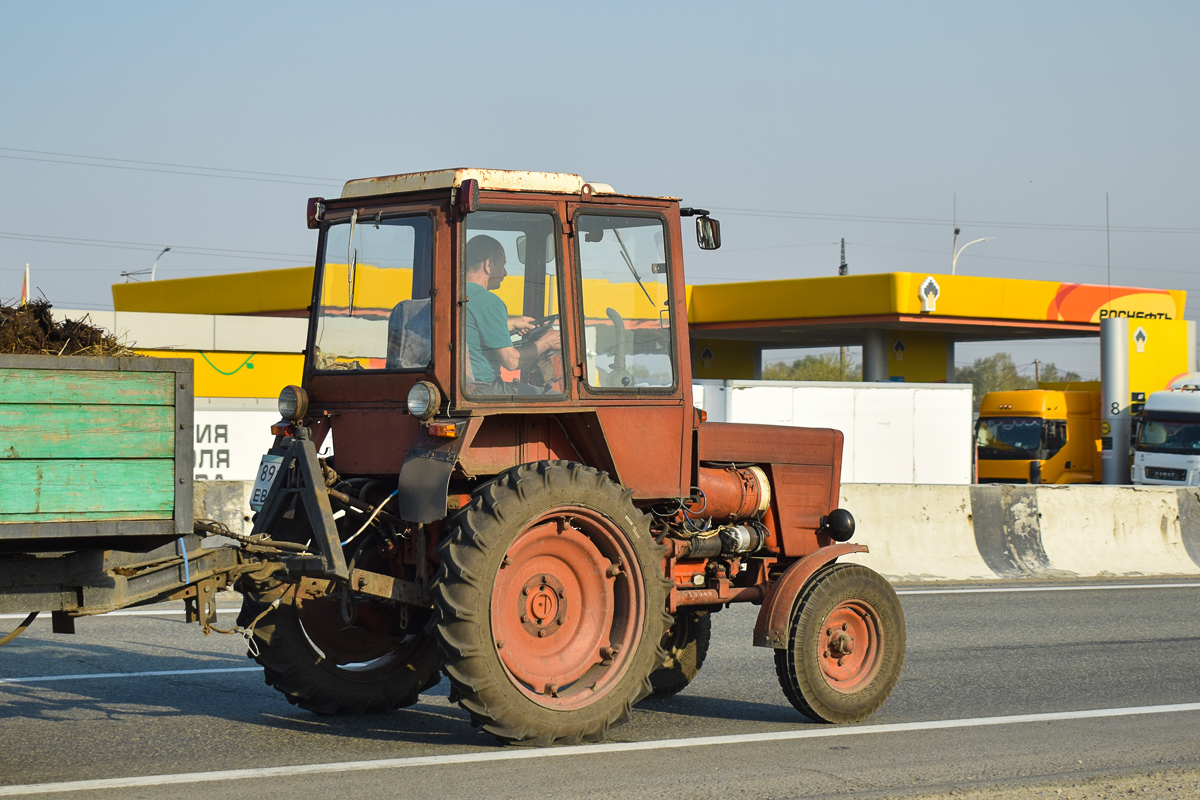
628, 294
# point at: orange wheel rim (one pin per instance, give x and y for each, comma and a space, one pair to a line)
567, 609
850, 646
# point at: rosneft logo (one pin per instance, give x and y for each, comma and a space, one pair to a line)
928, 292
1113, 313
1077, 302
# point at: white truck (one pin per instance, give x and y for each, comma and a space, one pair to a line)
1167, 450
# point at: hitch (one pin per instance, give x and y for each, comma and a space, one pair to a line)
299, 476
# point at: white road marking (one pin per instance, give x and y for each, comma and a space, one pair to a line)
141, 612
83, 676
519, 754
1087, 588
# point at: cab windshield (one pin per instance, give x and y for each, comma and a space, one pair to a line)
1011, 438
1169, 434
626, 303
374, 309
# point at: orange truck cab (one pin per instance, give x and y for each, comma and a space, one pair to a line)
1038, 436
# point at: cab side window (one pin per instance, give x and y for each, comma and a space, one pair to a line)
626, 296
509, 306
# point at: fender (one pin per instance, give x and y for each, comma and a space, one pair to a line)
425, 474
771, 628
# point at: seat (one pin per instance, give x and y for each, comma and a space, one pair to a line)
409, 344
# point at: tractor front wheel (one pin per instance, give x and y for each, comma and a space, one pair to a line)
845, 645
328, 665
550, 604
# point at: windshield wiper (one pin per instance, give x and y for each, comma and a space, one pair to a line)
351, 260
633, 269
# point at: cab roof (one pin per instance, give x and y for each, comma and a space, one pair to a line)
501, 179
1187, 400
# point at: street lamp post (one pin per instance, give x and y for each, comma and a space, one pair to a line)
954, 263
164, 251
150, 272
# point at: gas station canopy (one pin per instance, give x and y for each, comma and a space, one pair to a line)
906, 322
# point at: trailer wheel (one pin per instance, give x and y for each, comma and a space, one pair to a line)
845, 645
686, 645
549, 604
321, 664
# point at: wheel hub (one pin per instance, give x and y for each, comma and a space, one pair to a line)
850, 646
841, 644
542, 605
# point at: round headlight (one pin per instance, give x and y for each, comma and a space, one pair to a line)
293, 403
423, 400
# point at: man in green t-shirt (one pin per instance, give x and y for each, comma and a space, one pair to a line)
489, 326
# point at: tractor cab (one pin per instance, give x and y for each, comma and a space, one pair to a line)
459, 294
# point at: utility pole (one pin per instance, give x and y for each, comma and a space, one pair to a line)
843, 269
1037, 371
954, 225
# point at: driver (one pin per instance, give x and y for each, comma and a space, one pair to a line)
489, 326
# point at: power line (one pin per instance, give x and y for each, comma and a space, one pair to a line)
182, 169
1049, 226
168, 164
279, 177
216, 252
1029, 260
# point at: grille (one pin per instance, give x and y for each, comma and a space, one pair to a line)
1160, 474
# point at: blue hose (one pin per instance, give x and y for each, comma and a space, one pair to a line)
187, 572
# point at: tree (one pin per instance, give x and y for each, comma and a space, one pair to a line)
822, 367
1052, 374
998, 373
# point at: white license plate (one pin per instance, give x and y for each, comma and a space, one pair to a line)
263, 480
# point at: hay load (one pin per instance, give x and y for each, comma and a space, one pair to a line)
31, 330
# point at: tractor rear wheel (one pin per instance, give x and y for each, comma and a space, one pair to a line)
845, 645
686, 645
549, 604
323, 664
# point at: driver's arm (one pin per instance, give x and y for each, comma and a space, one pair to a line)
525, 353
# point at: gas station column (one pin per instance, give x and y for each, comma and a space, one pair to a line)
875, 355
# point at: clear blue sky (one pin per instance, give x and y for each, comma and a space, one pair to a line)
801, 123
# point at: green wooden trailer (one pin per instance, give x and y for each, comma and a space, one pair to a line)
96, 470
94, 448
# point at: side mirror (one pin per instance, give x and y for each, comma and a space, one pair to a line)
708, 233
523, 245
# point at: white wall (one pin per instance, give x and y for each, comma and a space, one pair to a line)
206, 332
895, 432
230, 437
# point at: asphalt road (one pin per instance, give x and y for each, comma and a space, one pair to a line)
1001, 686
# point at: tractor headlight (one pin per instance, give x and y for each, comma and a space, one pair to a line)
423, 400
293, 403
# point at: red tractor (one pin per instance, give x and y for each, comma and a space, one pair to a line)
522, 494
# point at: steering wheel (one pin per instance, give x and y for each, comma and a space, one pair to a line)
540, 325
546, 372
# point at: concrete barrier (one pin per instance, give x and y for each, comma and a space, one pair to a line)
915, 532
1011, 531
1119, 530
938, 532
224, 501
